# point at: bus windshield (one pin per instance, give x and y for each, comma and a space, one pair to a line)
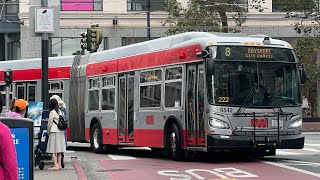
251, 84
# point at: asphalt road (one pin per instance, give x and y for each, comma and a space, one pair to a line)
142, 163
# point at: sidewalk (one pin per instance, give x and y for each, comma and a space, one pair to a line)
68, 173
311, 127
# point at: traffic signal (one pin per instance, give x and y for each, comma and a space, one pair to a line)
8, 76
83, 40
86, 40
96, 36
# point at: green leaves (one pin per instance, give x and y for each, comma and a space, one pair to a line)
203, 16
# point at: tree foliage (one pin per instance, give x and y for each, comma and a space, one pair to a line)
308, 49
203, 15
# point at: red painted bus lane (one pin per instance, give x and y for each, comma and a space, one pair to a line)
156, 169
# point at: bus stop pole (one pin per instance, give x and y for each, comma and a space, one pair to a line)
44, 64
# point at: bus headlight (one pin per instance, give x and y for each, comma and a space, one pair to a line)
296, 124
216, 123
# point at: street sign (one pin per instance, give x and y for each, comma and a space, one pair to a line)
44, 18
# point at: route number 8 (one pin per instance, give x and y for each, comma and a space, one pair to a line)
228, 51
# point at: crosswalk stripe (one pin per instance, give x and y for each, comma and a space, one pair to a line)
118, 157
279, 152
315, 145
310, 149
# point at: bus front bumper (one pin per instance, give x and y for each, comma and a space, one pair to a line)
216, 142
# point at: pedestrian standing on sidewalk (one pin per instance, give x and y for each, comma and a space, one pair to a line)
8, 156
56, 143
20, 109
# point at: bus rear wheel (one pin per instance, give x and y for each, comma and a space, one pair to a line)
177, 152
96, 138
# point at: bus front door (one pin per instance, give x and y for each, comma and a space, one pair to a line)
195, 106
125, 108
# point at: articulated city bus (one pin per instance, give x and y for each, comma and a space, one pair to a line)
188, 92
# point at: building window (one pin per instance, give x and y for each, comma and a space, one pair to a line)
281, 6
173, 87
81, 5
150, 88
140, 5
108, 93
93, 94
65, 46
133, 40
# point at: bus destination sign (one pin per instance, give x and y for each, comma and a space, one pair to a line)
265, 53
254, 53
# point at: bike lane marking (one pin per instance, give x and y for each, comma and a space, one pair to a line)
291, 168
158, 169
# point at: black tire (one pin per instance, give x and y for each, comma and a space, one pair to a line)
41, 165
175, 143
110, 149
97, 146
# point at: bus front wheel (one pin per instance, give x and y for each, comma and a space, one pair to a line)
177, 152
96, 138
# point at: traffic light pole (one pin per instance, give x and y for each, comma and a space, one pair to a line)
148, 19
44, 64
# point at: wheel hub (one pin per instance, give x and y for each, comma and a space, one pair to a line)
173, 141
95, 138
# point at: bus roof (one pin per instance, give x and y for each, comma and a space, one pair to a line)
203, 38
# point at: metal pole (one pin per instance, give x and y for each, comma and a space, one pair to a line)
44, 65
7, 98
148, 19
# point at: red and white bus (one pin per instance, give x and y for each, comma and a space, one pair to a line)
188, 92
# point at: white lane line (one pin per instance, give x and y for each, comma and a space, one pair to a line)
315, 145
286, 153
118, 157
310, 149
292, 168
69, 151
137, 148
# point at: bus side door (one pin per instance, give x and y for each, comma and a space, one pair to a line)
195, 106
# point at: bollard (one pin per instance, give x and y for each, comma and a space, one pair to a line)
22, 134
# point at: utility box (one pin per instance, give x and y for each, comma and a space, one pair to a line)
22, 134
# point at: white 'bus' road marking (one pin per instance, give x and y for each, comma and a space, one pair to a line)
315, 145
292, 168
118, 157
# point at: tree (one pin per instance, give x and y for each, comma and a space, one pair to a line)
203, 15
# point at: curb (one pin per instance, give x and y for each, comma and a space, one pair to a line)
80, 172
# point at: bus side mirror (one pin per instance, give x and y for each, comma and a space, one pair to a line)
303, 75
210, 66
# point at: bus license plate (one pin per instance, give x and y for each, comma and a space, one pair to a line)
260, 123
275, 123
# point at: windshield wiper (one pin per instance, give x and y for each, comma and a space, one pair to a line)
252, 89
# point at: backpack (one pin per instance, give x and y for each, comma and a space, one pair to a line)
62, 124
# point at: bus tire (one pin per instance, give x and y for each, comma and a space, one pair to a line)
176, 151
96, 139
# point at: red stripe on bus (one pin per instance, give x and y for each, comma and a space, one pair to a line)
155, 59
148, 137
36, 74
142, 137
110, 136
